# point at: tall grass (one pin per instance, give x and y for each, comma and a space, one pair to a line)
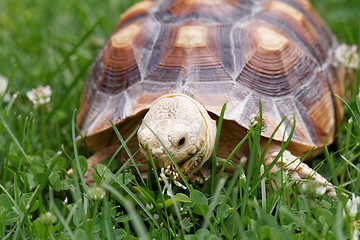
54, 43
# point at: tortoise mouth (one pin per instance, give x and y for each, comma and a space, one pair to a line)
163, 163
190, 161
186, 167
189, 164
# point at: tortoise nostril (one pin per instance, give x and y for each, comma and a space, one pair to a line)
181, 141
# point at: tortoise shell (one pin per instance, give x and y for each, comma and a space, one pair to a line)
219, 51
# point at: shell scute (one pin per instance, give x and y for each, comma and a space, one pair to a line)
137, 11
273, 70
117, 68
198, 58
303, 24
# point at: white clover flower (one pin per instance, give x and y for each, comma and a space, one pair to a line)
179, 184
172, 175
255, 120
3, 85
355, 234
40, 95
347, 56
352, 206
242, 176
47, 218
96, 193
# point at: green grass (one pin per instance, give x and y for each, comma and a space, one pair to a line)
53, 42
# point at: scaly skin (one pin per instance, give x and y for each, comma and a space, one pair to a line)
184, 127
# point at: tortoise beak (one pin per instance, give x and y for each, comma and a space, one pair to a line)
187, 166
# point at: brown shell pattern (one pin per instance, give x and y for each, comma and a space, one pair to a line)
219, 51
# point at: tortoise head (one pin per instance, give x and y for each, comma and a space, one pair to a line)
184, 128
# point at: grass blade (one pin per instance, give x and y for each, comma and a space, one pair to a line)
213, 204
12, 136
136, 220
77, 193
172, 197
123, 144
132, 195
214, 179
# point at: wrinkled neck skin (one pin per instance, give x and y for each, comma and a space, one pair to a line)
185, 129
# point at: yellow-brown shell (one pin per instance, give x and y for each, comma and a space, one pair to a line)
219, 51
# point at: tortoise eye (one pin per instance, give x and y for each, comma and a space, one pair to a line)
181, 141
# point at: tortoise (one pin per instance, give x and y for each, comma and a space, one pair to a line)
169, 66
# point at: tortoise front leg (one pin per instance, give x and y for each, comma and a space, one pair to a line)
293, 167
